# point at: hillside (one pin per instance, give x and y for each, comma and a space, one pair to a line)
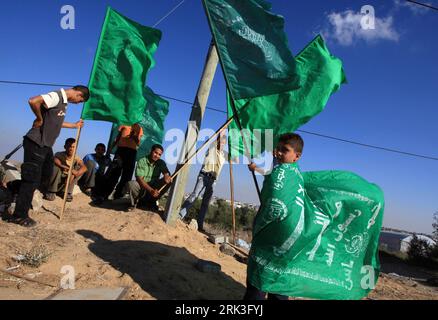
137, 250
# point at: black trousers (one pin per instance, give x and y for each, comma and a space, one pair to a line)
252, 293
123, 164
36, 170
128, 156
147, 199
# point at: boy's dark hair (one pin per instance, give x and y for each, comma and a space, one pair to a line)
294, 140
85, 91
157, 146
69, 141
100, 145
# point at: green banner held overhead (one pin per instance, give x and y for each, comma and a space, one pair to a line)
123, 58
152, 122
252, 47
316, 235
321, 75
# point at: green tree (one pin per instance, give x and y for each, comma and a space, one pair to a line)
435, 226
419, 250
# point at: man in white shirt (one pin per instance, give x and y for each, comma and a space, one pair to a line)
213, 163
37, 167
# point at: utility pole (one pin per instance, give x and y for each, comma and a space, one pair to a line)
177, 190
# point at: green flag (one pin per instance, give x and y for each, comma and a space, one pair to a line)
316, 235
123, 58
252, 47
321, 75
152, 122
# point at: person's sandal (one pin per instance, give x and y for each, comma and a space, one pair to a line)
69, 198
24, 222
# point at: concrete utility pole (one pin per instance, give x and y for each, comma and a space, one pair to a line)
177, 190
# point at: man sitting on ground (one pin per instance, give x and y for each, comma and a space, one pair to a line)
63, 161
144, 190
96, 164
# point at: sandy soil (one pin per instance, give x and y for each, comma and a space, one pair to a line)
136, 250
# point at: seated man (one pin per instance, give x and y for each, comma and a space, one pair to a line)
144, 190
96, 164
63, 161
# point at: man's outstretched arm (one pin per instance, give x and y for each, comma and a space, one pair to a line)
75, 125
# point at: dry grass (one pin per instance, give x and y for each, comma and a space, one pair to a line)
35, 257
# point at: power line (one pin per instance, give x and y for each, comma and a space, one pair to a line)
423, 4
191, 103
221, 111
168, 14
70, 85
369, 145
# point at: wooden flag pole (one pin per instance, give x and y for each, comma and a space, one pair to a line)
248, 154
67, 184
233, 212
235, 114
222, 128
82, 112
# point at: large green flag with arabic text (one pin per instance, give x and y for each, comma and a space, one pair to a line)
123, 58
252, 47
316, 234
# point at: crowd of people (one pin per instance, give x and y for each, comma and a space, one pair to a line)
99, 176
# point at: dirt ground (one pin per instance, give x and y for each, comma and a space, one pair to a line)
137, 250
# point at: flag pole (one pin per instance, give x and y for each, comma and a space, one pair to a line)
233, 212
222, 128
93, 69
248, 154
232, 98
67, 184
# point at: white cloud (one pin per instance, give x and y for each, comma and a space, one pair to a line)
345, 27
415, 8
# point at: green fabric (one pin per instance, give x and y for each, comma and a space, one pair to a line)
152, 123
252, 47
123, 58
150, 171
322, 75
316, 234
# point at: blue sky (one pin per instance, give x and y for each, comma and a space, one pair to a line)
390, 100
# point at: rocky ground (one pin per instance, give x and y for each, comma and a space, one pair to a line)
137, 250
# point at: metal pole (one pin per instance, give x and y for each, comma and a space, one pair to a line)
10, 154
177, 190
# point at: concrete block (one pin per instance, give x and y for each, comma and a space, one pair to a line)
217, 239
90, 294
37, 201
193, 225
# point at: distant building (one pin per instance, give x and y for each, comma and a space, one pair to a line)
399, 241
406, 242
391, 241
